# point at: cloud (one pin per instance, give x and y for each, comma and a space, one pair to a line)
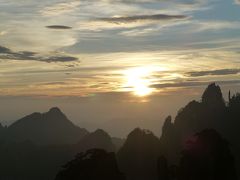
214, 72
6, 53
58, 27
60, 8
149, 1
131, 19
4, 50
58, 59
186, 84
215, 25
53, 83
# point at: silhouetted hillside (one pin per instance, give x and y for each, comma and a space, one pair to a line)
196, 116
138, 156
233, 124
36, 146
210, 112
59, 139
206, 156
95, 164
52, 127
98, 139
169, 141
212, 97
2, 132
28, 161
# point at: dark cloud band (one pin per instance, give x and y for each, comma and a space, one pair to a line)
131, 19
6, 53
218, 72
186, 84
58, 27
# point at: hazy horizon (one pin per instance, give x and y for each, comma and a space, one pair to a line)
114, 117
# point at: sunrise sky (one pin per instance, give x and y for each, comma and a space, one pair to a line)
115, 64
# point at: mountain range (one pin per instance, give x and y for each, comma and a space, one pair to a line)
36, 146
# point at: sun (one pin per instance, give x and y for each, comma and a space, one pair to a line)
138, 80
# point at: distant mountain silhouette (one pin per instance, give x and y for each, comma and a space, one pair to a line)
36, 146
52, 127
95, 164
97, 139
138, 157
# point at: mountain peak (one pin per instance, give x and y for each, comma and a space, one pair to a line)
139, 152
167, 126
56, 114
97, 139
55, 110
168, 122
139, 137
213, 96
140, 132
100, 132
52, 127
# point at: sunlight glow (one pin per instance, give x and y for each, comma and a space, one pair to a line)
139, 80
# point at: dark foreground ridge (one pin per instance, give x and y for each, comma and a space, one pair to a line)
94, 164
201, 143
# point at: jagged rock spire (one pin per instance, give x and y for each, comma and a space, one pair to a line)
167, 126
212, 96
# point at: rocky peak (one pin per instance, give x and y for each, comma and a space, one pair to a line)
212, 96
167, 124
55, 111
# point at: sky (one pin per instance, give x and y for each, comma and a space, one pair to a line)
115, 64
